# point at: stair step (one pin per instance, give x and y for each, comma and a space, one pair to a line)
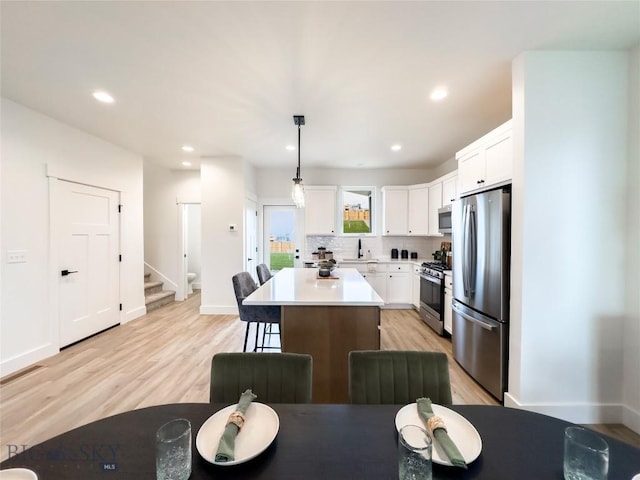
147, 276
157, 300
152, 287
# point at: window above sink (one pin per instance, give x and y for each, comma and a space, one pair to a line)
357, 211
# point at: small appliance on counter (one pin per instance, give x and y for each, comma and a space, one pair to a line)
414, 255
394, 253
404, 254
325, 268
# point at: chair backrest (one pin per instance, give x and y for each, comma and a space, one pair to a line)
264, 273
273, 377
243, 286
398, 377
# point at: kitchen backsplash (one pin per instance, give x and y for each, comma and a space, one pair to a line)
380, 247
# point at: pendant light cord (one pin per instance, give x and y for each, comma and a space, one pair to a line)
298, 169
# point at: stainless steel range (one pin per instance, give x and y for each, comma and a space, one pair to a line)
432, 295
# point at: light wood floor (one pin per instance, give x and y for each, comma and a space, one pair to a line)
164, 357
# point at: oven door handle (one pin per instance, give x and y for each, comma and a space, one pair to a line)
429, 279
485, 325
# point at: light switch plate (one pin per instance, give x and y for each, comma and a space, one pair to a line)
16, 256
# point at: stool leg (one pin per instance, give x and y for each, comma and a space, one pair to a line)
246, 336
255, 347
264, 334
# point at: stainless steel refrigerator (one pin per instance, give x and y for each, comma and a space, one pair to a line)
481, 237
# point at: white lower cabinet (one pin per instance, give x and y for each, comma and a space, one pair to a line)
416, 287
374, 274
378, 281
394, 282
448, 303
399, 283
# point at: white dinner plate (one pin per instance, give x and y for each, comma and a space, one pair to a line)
463, 434
18, 474
259, 430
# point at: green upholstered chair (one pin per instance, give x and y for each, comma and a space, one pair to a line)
398, 377
273, 377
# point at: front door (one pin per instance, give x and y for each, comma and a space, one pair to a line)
88, 270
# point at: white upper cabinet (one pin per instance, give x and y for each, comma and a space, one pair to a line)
395, 207
471, 170
320, 210
499, 159
435, 203
487, 161
419, 209
449, 190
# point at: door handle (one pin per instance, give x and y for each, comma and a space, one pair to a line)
249, 259
485, 325
64, 273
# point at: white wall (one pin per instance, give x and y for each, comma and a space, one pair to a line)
32, 146
631, 378
163, 188
223, 200
567, 313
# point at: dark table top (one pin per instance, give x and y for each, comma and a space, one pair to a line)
315, 441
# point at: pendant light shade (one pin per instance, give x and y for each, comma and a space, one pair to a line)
297, 192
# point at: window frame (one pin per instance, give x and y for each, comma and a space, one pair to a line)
372, 210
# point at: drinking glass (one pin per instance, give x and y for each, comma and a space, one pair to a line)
173, 450
414, 453
586, 455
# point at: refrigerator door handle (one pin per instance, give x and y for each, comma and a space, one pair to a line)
465, 251
473, 251
485, 325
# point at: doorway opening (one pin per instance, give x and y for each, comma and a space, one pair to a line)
190, 250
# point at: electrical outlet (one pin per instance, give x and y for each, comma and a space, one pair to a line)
16, 256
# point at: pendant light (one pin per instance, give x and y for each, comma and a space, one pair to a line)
297, 192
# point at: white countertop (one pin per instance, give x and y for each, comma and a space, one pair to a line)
301, 286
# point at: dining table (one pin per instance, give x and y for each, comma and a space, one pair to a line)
313, 441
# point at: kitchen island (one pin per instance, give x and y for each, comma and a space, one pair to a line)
326, 318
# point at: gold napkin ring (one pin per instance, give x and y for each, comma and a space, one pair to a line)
433, 423
237, 419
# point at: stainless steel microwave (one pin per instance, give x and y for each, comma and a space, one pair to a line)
444, 219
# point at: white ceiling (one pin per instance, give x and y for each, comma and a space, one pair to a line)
227, 77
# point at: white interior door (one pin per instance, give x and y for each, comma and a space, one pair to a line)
282, 241
251, 234
88, 249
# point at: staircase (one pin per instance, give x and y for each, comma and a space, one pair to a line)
154, 296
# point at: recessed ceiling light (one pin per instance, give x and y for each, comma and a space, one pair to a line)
439, 93
396, 147
103, 96
187, 148
291, 148
186, 164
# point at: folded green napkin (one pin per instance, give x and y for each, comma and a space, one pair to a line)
425, 411
228, 439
